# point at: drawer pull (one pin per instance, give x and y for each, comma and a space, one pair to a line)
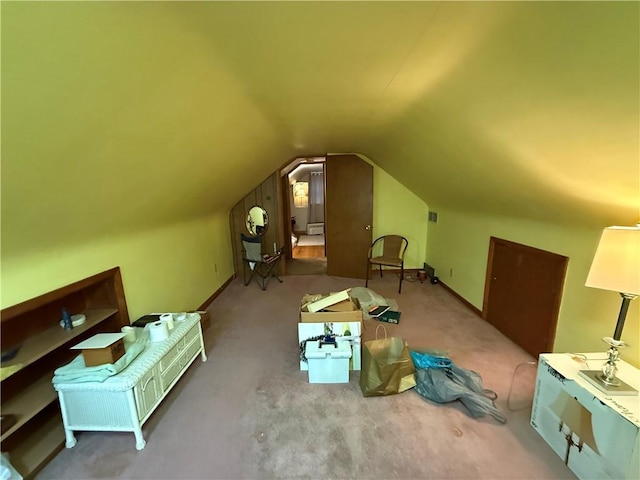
144, 387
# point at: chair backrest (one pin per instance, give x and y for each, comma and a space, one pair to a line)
252, 248
393, 246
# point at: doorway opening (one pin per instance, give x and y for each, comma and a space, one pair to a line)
305, 204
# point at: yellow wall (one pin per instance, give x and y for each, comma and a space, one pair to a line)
115, 117
396, 210
128, 128
166, 269
460, 241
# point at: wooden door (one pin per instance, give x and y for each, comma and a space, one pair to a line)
522, 296
285, 188
349, 215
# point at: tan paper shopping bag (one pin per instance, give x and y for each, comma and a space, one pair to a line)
387, 367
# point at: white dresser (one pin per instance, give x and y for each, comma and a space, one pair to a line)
125, 401
597, 435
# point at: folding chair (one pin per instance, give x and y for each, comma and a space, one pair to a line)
261, 267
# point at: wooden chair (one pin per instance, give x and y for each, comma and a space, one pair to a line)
256, 265
392, 248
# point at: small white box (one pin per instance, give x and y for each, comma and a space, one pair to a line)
328, 362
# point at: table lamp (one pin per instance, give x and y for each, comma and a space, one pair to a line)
615, 266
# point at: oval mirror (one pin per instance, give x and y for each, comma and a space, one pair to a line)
257, 220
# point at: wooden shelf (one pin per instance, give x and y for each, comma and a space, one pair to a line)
29, 402
34, 326
45, 342
40, 447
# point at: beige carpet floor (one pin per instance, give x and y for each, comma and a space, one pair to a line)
249, 412
307, 266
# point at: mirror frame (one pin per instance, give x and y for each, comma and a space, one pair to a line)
253, 227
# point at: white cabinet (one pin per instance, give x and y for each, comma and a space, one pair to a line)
597, 435
124, 402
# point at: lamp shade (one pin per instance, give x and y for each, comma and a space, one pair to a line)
616, 264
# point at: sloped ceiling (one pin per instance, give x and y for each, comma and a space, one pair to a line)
123, 115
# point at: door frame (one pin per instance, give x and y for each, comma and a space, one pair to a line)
286, 216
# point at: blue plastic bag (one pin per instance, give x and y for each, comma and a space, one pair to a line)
430, 359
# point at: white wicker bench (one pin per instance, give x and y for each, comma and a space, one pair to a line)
125, 401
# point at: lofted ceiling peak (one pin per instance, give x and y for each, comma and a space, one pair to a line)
136, 114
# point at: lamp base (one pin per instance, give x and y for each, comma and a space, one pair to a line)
597, 379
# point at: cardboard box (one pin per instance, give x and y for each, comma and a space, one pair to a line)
328, 363
102, 348
342, 320
596, 435
344, 311
205, 318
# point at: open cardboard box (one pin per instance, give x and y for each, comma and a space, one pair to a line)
343, 311
343, 319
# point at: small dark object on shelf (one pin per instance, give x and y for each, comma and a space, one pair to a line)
67, 323
7, 421
9, 353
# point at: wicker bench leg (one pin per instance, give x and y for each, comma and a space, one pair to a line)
70, 438
140, 441
135, 423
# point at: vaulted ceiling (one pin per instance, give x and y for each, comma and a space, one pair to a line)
123, 114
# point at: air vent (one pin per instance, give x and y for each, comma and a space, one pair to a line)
433, 217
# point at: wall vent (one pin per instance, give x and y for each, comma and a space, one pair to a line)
433, 217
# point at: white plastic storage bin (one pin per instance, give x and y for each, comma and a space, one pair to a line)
328, 362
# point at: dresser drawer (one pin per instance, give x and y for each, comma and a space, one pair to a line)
171, 356
186, 355
191, 334
167, 360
